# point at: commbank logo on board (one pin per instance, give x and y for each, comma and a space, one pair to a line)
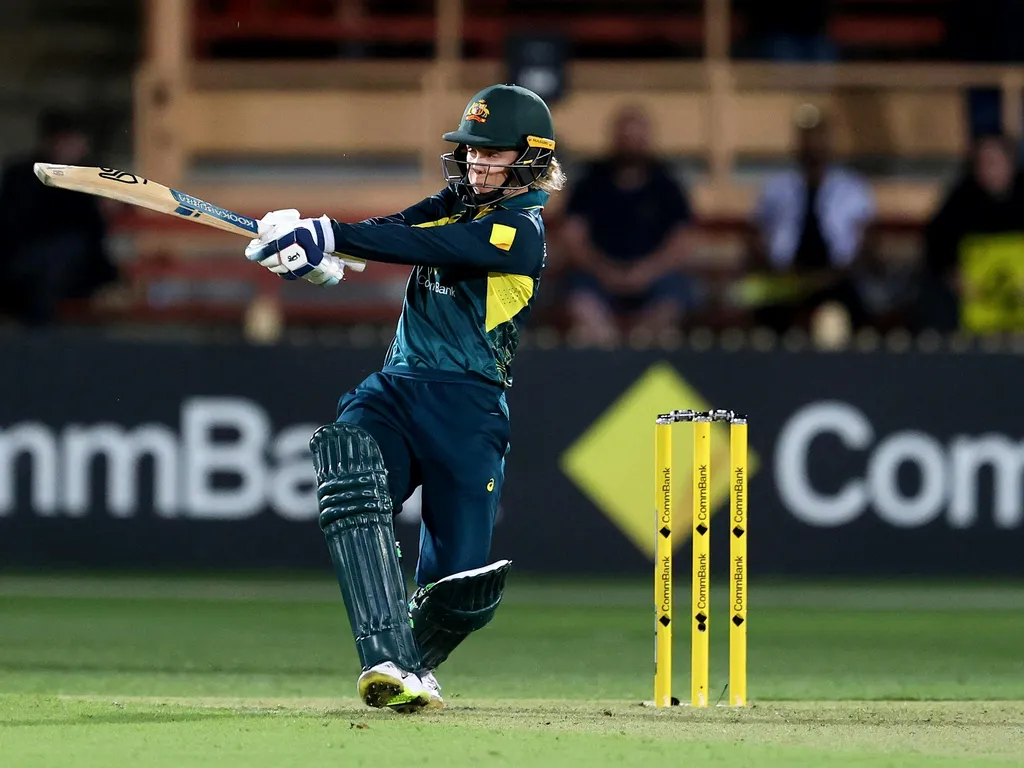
612, 463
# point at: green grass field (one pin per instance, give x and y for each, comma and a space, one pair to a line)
188, 671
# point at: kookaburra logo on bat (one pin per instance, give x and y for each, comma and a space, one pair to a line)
122, 176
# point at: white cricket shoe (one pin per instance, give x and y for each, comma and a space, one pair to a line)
385, 685
433, 690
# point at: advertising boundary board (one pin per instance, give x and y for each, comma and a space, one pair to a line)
118, 454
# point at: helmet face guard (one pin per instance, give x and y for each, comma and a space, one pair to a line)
527, 168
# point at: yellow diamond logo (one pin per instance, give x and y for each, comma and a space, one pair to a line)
613, 461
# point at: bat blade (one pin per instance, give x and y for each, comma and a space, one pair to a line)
136, 190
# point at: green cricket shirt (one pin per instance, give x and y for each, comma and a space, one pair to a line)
475, 277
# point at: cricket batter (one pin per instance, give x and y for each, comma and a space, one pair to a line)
435, 415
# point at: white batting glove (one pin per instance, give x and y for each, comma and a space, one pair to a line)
294, 248
275, 224
281, 221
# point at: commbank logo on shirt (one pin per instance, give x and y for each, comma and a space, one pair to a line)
432, 282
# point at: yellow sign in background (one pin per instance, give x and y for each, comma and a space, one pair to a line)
992, 270
612, 461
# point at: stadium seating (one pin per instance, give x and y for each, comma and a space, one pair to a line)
371, 62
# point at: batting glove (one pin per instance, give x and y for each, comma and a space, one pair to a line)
297, 248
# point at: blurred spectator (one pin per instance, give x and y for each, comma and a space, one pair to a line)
54, 248
626, 238
987, 199
810, 224
790, 30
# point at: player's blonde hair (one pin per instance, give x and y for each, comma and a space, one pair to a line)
554, 177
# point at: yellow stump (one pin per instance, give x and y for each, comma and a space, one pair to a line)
701, 582
738, 560
663, 564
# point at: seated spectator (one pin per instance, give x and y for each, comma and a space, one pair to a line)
626, 239
54, 247
809, 230
977, 235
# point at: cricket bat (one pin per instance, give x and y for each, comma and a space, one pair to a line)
136, 190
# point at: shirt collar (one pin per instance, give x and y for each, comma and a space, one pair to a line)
535, 198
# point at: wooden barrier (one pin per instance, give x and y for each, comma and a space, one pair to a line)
898, 199
335, 123
877, 111
715, 110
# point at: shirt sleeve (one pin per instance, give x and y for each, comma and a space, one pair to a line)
431, 208
503, 241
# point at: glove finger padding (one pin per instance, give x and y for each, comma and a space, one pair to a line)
300, 252
273, 233
292, 248
295, 253
330, 271
276, 223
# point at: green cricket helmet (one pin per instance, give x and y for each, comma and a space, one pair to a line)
501, 117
